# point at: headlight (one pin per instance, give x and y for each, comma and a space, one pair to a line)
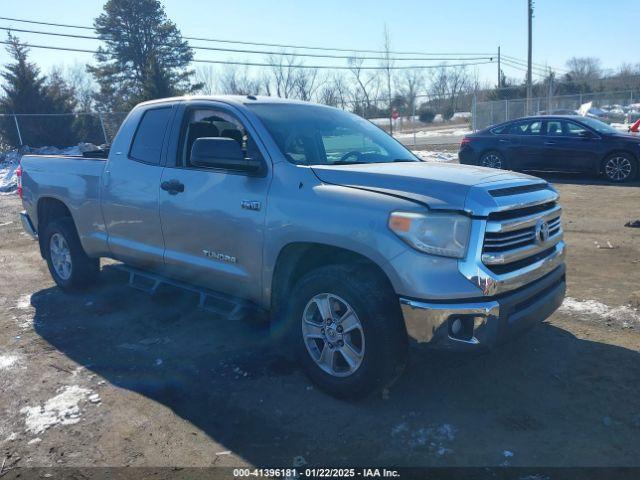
445, 234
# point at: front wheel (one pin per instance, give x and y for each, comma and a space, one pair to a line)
347, 330
620, 167
493, 160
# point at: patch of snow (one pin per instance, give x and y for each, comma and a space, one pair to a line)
12, 436
431, 156
442, 132
95, 398
24, 302
623, 314
7, 361
436, 439
62, 409
35, 440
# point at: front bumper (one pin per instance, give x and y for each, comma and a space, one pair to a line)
27, 225
487, 322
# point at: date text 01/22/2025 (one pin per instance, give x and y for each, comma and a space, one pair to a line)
316, 473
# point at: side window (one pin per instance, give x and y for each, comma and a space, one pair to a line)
554, 128
574, 130
202, 123
526, 128
147, 142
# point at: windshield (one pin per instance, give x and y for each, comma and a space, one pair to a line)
318, 135
598, 125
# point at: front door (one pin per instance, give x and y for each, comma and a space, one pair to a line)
130, 186
214, 225
576, 150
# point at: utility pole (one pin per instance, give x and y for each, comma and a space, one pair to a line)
529, 56
499, 74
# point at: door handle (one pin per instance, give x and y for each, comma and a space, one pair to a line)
504, 140
172, 186
549, 143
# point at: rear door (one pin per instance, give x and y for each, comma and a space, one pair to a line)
528, 148
130, 186
214, 227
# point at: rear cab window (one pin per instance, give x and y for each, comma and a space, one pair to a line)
147, 142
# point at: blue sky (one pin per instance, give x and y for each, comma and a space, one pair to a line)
562, 28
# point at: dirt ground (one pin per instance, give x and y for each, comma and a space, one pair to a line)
115, 377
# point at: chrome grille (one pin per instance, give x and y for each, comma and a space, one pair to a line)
510, 241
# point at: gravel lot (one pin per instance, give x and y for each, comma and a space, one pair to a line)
114, 377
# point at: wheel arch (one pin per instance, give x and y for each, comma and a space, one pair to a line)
49, 209
296, 259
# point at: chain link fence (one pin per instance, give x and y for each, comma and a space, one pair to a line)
58, 129
425, 120
611, 107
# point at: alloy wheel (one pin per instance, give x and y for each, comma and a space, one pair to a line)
60, 256
492, 160
617, 168
333, 335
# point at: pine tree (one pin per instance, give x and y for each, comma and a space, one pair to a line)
144, 56
27, 91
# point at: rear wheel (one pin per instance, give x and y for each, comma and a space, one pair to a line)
347, 330
620, 167
69, 265
493, 159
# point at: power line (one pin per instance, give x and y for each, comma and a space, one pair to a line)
279, 45
257, 64
538, 66
520, 68
262, 52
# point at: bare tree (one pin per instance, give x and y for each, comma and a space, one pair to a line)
366, 88
335, 92
81, 84
236, 81
585, 70
448, 85
285, 72
206, 77
411, 84
387, 64
306, 82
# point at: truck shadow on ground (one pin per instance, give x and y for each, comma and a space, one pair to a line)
543, 396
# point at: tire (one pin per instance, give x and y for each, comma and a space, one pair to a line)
69, 265
493, 159
620, 167
377, 349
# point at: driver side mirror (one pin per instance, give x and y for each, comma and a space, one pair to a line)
223, 153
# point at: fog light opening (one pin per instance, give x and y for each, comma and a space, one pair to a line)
461, 327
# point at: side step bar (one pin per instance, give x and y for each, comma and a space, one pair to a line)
231, 308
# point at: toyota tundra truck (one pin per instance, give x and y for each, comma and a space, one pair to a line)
354, 247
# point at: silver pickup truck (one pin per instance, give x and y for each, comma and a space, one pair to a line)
354, 246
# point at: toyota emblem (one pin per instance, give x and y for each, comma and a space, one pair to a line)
542, 232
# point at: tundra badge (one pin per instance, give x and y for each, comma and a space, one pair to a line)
223, 257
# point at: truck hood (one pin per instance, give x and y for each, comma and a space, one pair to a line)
436, 185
